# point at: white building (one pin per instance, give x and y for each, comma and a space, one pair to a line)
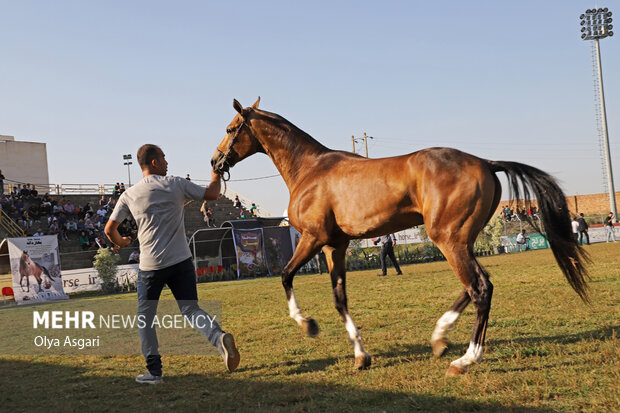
23, 162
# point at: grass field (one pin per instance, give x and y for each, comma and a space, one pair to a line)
546, 350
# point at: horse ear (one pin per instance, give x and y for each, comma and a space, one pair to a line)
255, 105
238, 107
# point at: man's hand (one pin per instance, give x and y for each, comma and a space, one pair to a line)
215, 176
122, 243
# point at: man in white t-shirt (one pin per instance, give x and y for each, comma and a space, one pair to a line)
522, 239
156, 203
575, 225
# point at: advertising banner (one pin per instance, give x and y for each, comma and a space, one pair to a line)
35, 266
87, 279
278, 248
250, 252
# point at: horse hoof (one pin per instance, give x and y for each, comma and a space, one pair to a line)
310, 327
455, 371
439, 347
363, 361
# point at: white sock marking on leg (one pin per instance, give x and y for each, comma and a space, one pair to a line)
473, 355
354, 336
444, 324
294, 310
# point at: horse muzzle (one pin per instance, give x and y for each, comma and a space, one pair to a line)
221, 163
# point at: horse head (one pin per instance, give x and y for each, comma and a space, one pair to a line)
239, 142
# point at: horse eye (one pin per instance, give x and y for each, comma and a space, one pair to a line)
229, 130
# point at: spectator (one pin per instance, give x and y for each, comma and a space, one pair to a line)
102, 202
39, 233
188, 178
102, 211
111, 204
583, 229
387, 250
575, 225
134, 257
253, 209
117, 189
85, 241
33, 192
121, 189
100, 241
1, 183
237, 202
210, 218
609, 227
71, 227
522, 239
53, 228
69, 208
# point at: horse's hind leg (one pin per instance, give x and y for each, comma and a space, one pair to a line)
439, 339
337, 270
307, 248
480, 290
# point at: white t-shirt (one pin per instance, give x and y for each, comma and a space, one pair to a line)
521, 238
156, 203
575, 225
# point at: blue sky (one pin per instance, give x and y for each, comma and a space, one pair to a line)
501, 80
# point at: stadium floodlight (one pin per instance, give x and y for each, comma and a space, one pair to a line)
127, 158
597, 25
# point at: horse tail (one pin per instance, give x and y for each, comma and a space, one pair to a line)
555, 217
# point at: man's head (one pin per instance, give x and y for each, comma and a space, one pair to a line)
152, 160
581, 215
523, 231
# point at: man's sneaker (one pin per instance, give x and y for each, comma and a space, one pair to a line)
230, 354
148, 378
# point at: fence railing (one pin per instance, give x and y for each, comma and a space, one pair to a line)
10, 226
71, 189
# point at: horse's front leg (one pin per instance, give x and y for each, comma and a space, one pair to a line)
306, 249
336, 262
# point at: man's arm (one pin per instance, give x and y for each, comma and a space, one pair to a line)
213, 189
111, 230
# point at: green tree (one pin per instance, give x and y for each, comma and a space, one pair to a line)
106, 265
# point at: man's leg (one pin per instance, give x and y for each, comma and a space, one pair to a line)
181, 278
393, 258
587, 237
383, 259
149, 286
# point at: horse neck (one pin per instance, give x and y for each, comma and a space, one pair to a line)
289, 147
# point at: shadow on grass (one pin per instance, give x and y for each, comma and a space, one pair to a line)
48, 386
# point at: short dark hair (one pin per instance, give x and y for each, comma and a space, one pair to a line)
147, 153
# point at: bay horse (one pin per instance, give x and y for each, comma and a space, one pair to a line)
27, 267
337, 196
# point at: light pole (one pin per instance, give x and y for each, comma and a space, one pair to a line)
127, 159
595, 25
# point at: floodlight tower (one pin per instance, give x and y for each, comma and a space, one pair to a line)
595, 25
127, 159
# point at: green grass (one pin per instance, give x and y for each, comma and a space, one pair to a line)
546, 350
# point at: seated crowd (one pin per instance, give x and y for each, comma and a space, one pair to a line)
48, 215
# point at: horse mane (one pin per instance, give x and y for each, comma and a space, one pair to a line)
302, 141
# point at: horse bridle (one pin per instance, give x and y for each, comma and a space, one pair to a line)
224, 159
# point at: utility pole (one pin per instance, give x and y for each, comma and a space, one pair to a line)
365, 140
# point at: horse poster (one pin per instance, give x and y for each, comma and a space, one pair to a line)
250, 254
35, 265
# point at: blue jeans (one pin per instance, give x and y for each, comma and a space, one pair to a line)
181, 278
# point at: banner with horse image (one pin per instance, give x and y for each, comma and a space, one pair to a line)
35, 265
250, 252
